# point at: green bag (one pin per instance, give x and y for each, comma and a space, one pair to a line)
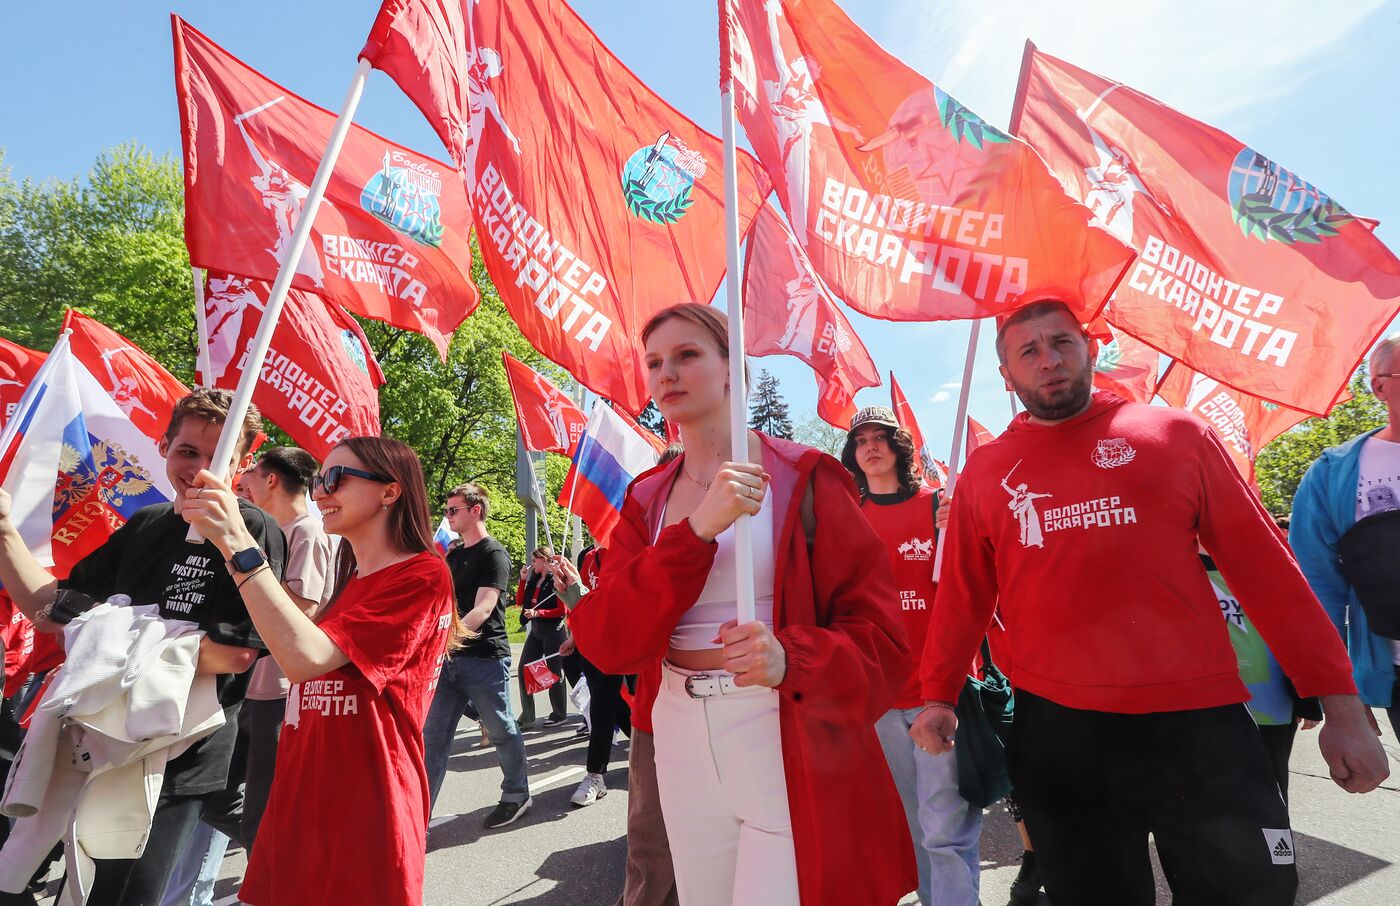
984, 721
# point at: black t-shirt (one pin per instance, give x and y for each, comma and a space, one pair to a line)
483, 565
149, 560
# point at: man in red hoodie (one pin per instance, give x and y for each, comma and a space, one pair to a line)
1079, 526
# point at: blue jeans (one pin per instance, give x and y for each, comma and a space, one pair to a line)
944, 827
485, 682
192, 881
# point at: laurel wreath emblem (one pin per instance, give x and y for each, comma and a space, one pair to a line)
644, 206
966, 125
1256, 216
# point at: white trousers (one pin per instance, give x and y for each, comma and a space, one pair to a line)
719, 767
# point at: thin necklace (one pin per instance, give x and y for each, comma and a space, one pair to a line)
703, 484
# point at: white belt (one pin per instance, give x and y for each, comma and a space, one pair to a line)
701, 684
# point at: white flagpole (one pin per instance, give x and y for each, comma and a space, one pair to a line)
738, 394
1012, 394
201, 323
539, 501
257, 351
955, 457
578, 457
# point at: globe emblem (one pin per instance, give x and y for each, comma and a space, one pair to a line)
657, 181
1273, 203
400, 199
354, 349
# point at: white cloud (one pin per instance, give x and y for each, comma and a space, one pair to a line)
1210, 59
941, 396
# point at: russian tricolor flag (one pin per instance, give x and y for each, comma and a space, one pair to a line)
444, 536
74, 463
609, 456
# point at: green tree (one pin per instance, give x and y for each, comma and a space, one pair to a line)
768, 412
652, 419
815, 432
1280, 466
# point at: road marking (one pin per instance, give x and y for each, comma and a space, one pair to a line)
555, 779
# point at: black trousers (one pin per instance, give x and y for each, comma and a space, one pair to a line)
1278, 741
606, 712
1093, 785
543, 641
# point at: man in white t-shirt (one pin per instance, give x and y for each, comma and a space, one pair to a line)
1346, 484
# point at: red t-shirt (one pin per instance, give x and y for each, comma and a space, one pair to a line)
906, 528
348, 813
1085, 535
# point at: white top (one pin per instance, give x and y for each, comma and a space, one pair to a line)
717, 605
1378, 490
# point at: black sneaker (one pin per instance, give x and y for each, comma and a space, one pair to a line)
555, 720
506, 813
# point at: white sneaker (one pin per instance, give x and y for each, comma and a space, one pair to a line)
589, 791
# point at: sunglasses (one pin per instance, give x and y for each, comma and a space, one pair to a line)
329, 480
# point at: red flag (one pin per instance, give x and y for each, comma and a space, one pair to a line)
320, 380
787, 311
139, 385
910, 206
597, 203
1248, 273
976, 437
390, 240
18, 365
935, 473
549, 421
1244, 423
1127, 367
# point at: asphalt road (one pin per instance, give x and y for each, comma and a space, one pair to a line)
557, 855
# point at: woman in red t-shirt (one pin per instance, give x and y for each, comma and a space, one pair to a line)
351, 753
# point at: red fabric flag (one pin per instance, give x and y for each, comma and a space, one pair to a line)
1244, 423
934, 472
391, 238
18, 365
597, 203
976, 437
320, 380
910, 206
787, 311
1248, 273
549, 421
139, 385
1127, 367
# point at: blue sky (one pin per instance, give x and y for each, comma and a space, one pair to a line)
1312, 85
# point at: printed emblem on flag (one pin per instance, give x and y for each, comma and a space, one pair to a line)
1113, 452
405, 198
1272, 202
656, 180
354, 350
115, 475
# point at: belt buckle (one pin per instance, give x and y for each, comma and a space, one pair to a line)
690, 688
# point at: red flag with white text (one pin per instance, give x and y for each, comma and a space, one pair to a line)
320, 381
597, 204
1244, 423
787, 311
18, 365
391, 237
1248, 272
548, 419
911, 207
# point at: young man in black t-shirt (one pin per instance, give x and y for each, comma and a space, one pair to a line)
149, 560
479, 672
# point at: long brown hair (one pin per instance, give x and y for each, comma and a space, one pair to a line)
410, 525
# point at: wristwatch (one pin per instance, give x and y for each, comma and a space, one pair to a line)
245, 561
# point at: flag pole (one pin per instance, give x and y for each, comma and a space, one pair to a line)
257, 350
201, 323
539, 501
738, 401
955, 457
578, 458
1014, 410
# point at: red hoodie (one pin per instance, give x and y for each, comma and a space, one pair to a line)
1085, 532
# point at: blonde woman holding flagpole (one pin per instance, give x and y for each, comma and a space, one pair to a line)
772, 784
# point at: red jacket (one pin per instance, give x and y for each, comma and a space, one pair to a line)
1084, 535
846, 657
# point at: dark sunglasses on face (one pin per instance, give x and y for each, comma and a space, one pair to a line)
451, 511
329, 480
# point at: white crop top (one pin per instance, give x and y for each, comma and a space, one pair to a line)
716, 605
